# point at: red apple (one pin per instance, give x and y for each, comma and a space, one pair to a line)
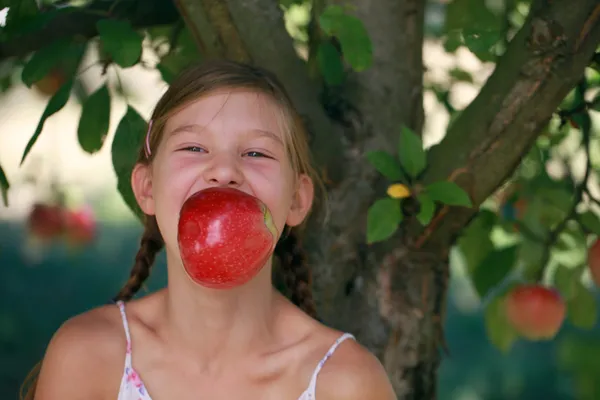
46, 222
80, 227
594, 261
50, 83
225, 237
536, 312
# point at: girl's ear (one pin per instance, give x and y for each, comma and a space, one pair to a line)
302, 201
141, 183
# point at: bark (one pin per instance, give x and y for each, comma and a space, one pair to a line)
393, 300
391, 295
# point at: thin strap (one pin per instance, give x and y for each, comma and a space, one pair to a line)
121, 305
313, 381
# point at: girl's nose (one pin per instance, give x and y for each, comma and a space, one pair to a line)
224, 170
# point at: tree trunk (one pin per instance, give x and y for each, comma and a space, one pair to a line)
391, 295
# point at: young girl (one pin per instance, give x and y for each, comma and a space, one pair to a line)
220, 124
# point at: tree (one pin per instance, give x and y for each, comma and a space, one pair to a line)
356, 73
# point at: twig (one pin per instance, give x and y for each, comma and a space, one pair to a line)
579, 189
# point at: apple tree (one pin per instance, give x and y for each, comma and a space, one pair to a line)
517, 161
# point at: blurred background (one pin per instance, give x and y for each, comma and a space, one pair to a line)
43, 283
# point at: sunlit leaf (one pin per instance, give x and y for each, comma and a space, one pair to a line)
55, 104
383, 218
94, 121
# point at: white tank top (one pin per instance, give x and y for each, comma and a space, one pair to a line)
132, 387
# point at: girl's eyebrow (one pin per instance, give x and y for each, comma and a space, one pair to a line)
196, 128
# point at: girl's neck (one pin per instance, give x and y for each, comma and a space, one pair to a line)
219, 325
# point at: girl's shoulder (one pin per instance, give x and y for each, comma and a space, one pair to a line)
353, 372
346, 369
86, 352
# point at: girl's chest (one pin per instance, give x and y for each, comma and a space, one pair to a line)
162, 383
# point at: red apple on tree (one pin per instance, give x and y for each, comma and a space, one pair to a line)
535, 311
80, 226
46, 222
225, 237
594, 261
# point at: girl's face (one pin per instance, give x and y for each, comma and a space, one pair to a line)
227, 138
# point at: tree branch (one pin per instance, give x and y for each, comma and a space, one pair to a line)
81, 22
488, 140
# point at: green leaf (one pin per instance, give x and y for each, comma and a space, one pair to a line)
460, 75
531, 254
494, 268
129, 137
352, 35
383, 218
20, 11
480, 27
412, 155
120, 41
330, 63
386, 164
44, 60
452, 41
4, 186
179, 58
566, 281
449, 193
55, 104
427, 208
595, 104
582, 308
499, 331
475, 243
481, 41
590, 221
94, 121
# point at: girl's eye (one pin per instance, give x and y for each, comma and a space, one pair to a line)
256, 154
194, 149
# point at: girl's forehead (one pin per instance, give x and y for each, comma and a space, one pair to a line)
237, 109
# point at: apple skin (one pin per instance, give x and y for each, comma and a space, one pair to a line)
46, 222
594, 262
80, 227
536, 312
225, 237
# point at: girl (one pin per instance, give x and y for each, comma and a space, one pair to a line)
220, 124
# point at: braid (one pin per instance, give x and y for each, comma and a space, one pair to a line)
150, 244
296, 272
